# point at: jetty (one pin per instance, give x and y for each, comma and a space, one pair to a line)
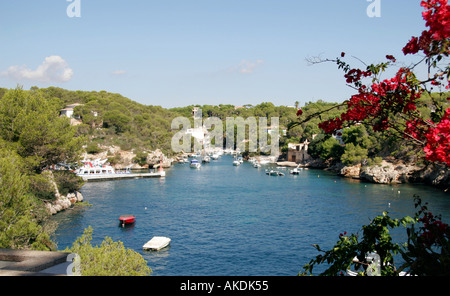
119, 176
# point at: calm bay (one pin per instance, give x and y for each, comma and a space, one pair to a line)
227, 220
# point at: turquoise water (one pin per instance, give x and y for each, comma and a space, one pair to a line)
225, 220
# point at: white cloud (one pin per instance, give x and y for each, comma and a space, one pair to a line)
119, 72
246, 67
52, 69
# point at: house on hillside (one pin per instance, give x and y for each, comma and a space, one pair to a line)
298, 153
68, 112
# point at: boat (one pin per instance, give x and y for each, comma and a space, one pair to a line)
215, 156
96, 167
274, 173
195, 164
236, 163
127, 219
157, 243
99, 170
183, 160
206, 159
256, 165
295, 171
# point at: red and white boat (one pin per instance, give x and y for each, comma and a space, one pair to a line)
127, 219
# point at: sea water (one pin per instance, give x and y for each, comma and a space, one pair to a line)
227, 220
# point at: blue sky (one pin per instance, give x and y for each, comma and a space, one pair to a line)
178, 52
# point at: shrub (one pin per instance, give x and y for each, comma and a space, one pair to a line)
93, 148
42, 187
67, 181
109, 259
353, 154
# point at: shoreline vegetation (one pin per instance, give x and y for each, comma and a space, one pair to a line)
36, 135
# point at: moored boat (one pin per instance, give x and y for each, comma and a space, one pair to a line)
96, 167
127, 219
274, 173
195, 164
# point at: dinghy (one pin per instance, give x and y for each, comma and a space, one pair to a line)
156, 243
127, 219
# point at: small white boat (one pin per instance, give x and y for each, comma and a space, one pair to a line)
206, 159
295, 171
236, 162
274, 173
195, 164
215, 156
256, 165
157, 243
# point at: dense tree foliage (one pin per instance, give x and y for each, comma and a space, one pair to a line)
20, 226
32, 137
31, 126
109, 259
112, 119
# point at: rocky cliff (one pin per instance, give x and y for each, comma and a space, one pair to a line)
395, 172
391, 172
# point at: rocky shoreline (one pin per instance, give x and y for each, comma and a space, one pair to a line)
62, 202
389, 171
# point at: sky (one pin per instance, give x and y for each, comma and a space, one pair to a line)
175, 53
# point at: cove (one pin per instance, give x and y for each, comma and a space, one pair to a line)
227, 220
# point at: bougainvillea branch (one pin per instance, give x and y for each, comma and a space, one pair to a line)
393, 104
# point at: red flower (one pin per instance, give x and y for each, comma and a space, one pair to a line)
390, 57
434, 40
438, 141
299, 112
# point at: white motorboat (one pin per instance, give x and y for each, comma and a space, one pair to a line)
236, 163
295, 171
274, 173
157, 243
195, 164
